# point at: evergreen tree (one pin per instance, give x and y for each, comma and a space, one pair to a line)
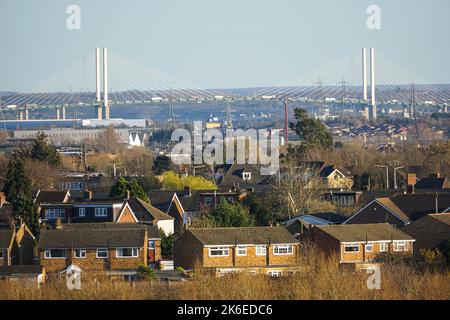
42, 151
18, 192
260, 210
122, 186
312, 132
231, 215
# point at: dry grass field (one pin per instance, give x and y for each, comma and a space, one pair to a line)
321, 279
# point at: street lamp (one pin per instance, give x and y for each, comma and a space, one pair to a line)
387, 174
395, 176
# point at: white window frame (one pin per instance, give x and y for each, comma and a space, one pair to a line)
289, 249
244, 248
351, 245
82, 212
219, 248
404, 244
261, 250
101, 212
275, 273
47, 253
152, 244
384, 246
102, 249
82, 252
134, 253
368, 245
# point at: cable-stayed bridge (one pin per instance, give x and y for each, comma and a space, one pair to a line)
120, 81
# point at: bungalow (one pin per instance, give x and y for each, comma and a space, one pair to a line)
431, 232
361, 243
16, 246
97, 247
269, 250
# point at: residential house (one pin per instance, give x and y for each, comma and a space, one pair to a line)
361, 243
186, 205
401, 209
300, 225
431, 232
114, 248
332, 176
433, 183
16, 246
32, 275
241, 176
346, 199
148, 214
268, 250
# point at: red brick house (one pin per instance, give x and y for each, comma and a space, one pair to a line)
361, 243
268, 250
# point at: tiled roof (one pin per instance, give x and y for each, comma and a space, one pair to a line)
20, 270
49, 196
93, 235
146, 212
251, 235
433, 183
363, 232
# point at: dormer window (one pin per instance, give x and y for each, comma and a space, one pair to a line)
246, 176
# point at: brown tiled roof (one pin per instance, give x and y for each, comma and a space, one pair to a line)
50, 196
363, 232
430, 231
5, 238
387, 203
93, 235
251, 235
146, 212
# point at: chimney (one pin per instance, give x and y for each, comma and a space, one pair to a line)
372, 84
105, 83
364, 73
97, 84
187, 191
87, 195
59, 223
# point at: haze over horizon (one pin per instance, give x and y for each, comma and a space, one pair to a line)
232, 44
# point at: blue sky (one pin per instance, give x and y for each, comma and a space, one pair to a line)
221, 44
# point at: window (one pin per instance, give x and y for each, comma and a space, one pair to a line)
368, 247
275, 273
52, 214
282, 249
351, 248
101, 212
2, 254
102, 253
241, 251
208, 201
246, 176
80, 253
384, 246
261, 250
219, 251
126, 252
400, 246
151, 244
82, 212
55, 253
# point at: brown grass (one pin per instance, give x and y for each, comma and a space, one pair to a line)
321, 278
